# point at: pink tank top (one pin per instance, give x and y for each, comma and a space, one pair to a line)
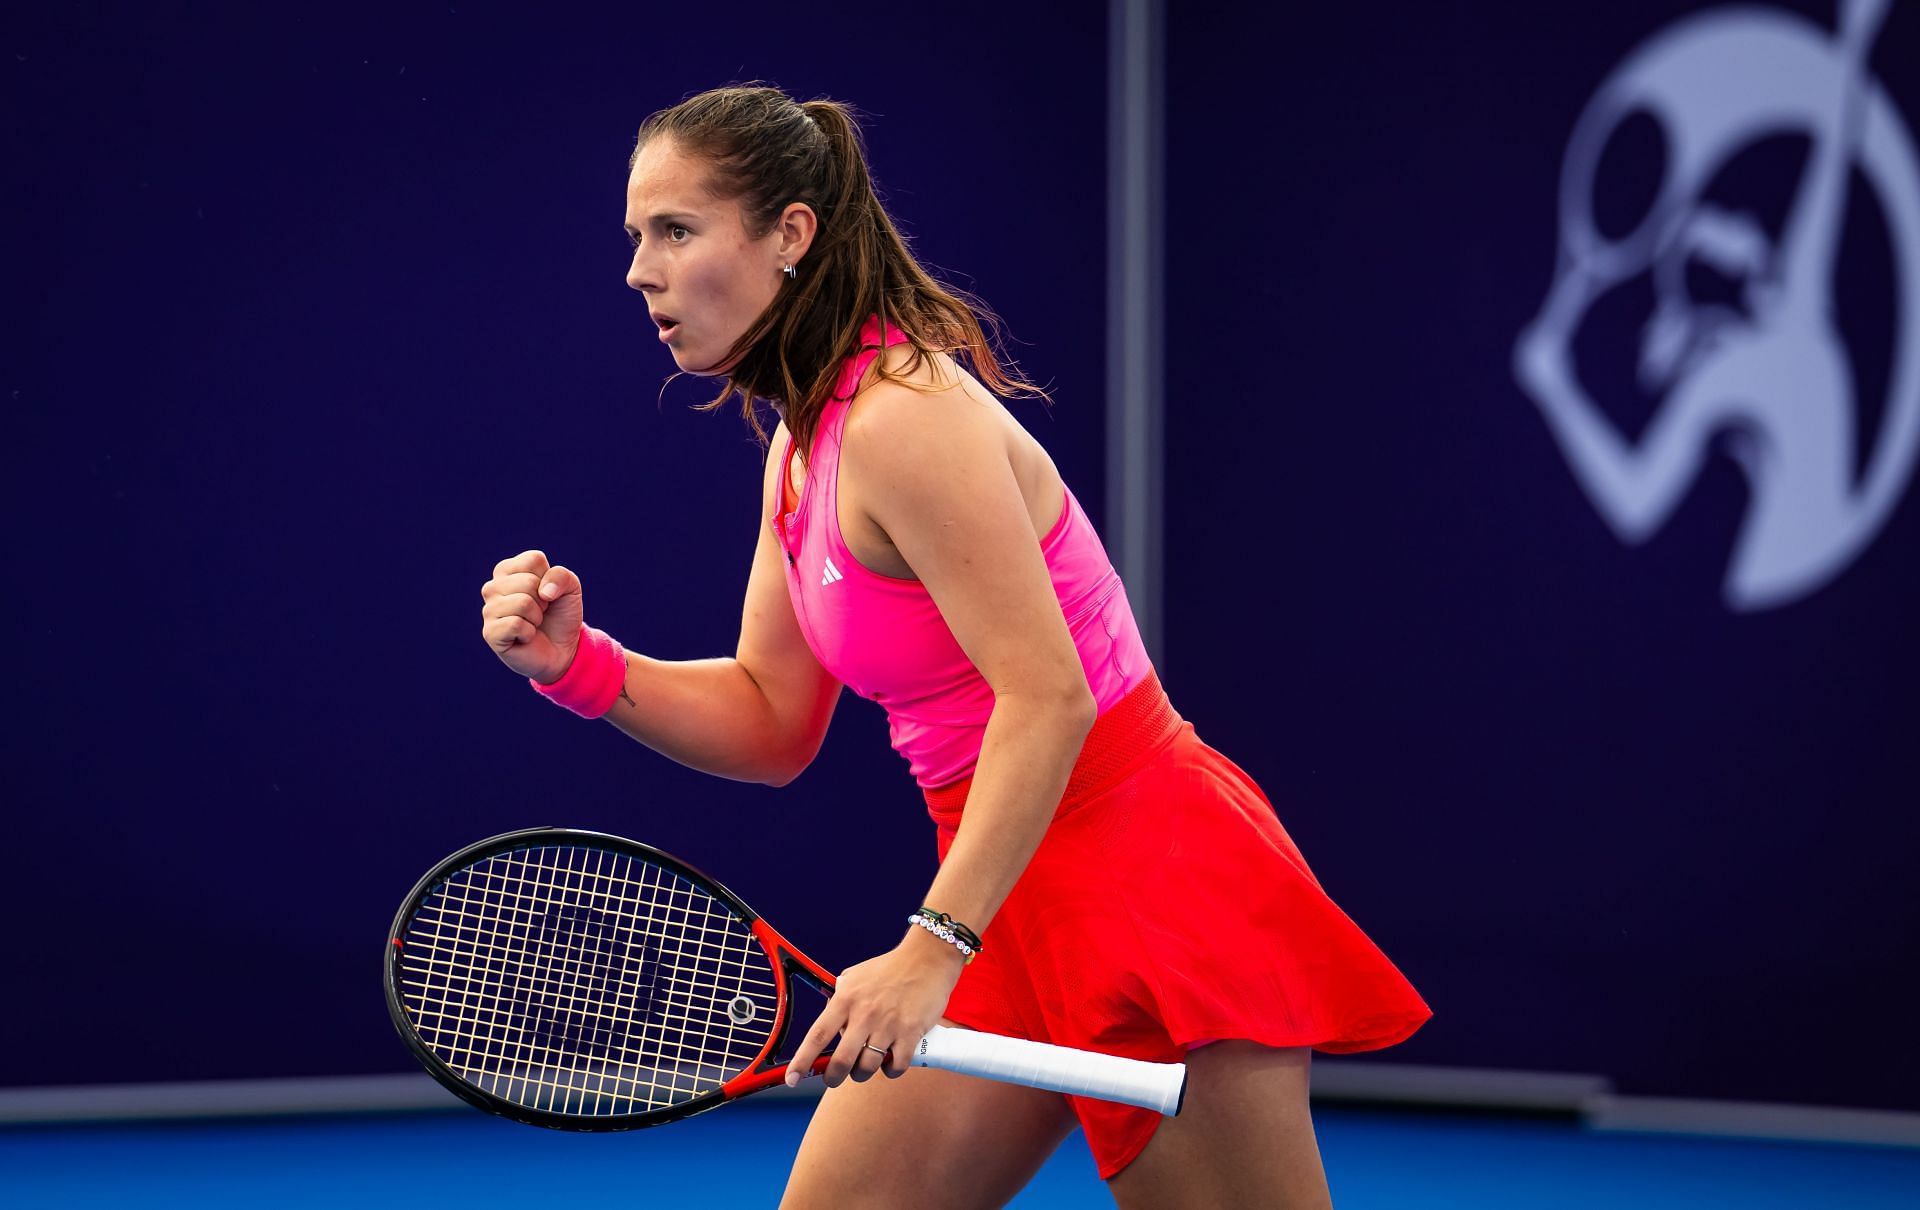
884, 637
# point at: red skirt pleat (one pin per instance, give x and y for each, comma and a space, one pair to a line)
1167, 908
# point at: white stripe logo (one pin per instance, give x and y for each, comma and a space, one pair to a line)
832, 575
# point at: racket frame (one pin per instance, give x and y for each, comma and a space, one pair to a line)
786, 959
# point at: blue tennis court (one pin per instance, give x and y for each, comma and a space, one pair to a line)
738, 1158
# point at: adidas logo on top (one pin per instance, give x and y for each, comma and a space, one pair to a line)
832, 575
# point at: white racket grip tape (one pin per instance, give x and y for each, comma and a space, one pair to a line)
1156, 1086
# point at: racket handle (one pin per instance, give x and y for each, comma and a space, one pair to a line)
1156, 1086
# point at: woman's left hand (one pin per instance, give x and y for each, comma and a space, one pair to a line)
881, 1008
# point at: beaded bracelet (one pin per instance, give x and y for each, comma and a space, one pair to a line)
947, 922
949, 930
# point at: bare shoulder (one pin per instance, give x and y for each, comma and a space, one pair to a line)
939, 404
776, 439
938, 446
770, 473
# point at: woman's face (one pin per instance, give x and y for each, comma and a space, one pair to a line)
705, 278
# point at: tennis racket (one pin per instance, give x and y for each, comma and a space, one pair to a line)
580, 981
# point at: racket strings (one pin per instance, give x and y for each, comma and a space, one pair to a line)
585, 982
555, 1053
548, 1008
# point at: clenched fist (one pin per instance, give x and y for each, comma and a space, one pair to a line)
532, 615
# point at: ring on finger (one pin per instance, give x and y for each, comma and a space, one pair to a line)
876, 1050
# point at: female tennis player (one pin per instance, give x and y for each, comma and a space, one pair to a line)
1107, 881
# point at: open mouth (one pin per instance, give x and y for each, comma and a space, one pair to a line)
668, 326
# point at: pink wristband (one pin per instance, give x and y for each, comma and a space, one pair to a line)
592, 682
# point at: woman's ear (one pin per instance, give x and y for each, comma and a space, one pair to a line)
795, 228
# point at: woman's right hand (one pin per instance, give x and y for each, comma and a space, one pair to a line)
532, 616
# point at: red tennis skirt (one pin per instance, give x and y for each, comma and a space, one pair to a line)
1164, 909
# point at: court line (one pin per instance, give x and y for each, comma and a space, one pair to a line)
1335, 1082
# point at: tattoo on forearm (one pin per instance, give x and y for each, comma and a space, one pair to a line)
625, 696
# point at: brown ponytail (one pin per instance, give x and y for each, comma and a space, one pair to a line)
767, 151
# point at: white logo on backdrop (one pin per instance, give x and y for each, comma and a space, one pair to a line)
1773, 373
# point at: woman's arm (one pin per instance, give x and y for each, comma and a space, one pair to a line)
759, 716
934, 471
